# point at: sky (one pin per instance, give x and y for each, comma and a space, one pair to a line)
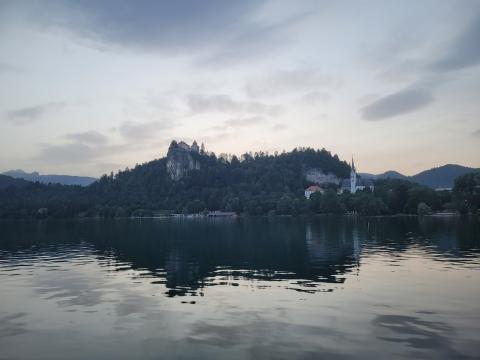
93, 86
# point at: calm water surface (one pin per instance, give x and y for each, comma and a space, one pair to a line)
240, 289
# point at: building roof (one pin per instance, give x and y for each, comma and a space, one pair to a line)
313, 188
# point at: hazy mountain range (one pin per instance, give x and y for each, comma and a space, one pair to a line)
50, 179
439, 177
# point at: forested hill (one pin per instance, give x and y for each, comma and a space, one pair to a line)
191, 180
6, 181
442, 176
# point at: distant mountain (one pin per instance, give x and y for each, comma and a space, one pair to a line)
50, 179
6, 181
441, 177
391, 174
436, 178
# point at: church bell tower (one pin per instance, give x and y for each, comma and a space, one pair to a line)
353, 178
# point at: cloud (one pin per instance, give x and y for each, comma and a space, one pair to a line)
88, 137
225, 104
284, 82
68, 153
78, 152
399, 103
146, 130
315, 97
217, 137
245, 122
6, 68
254, 40
279, 127
172, 26
463, 52
476, 133
29, 114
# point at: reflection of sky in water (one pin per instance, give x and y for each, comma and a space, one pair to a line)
244, 289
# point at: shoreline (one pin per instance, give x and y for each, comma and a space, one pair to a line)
244, 216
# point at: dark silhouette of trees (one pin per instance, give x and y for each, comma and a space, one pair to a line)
255, 184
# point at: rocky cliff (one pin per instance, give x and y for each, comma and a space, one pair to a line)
182, 158
317, 176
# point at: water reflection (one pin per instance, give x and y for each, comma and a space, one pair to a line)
418, 334
188, 255
288, 288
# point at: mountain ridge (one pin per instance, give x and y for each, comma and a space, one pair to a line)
437, 177
50, 178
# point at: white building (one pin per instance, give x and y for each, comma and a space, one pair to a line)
313, 189
355, 184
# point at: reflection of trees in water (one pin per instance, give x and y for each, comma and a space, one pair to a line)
454, 238
333, 246
187, 255
192, 255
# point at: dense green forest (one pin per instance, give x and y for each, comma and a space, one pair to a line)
255, 184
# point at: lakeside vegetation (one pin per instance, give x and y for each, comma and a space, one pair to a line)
256, 184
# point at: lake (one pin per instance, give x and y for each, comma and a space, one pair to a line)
283, 288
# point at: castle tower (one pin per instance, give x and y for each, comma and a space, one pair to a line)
353, 178
194, 146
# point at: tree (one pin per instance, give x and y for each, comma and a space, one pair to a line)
423, 209
331, 203
195, 206
466, 193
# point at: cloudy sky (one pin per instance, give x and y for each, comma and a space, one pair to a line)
92, 86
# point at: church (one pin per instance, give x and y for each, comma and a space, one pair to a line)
355, 183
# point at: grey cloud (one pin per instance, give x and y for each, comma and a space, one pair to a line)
67, 153
476, 133
399, 103
282, 82
26, 115
146, 130
80, 152
279, 127
245, 122
148, 24
6, 68
218, 103
463, 52
215, 138
315, 97
225, 104
254, 40
88, 137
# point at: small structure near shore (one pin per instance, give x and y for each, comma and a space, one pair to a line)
313, 189
217, 213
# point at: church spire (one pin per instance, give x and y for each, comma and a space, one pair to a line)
353, 179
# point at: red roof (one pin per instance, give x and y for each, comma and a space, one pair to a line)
313, 188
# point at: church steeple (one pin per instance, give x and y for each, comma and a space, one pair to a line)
353, 178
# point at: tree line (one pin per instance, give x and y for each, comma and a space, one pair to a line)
255, 184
